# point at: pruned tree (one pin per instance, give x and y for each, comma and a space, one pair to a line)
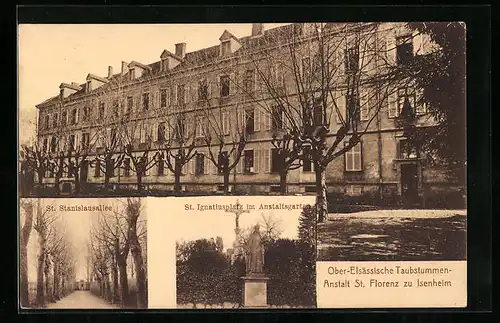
133, 212
37, 160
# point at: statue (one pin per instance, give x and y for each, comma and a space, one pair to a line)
255, 253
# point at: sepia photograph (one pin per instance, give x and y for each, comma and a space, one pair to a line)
83, 253
232, 253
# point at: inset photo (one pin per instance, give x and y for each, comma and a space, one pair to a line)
83, 253
240, 252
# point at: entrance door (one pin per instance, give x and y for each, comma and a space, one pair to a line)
84, 171
409, 183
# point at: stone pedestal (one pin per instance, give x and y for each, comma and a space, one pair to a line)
255, 292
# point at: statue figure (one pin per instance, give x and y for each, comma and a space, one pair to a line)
255, 253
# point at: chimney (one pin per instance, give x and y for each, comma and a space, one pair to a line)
124, 67
257, 29
110, 72
180, 50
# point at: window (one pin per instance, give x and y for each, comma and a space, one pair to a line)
248, 161
224, 85
86, 113
161, 132
181, 93
202, 90
226, 47
89, 86
276, 161
307, 163
130, 105
54, 121
353, 159
53, 144
126, 167
354, 190
45, 143
200, 124
249, 81
164, 64
200, 164
72, 142
101, 110
116, 109
47, 122
132, 73
407, 150
74, 116
352, 60
160, 166
145, 101
403, 95
163, 98
223, 158
97, 170
404, 49
277, 117
278, 76
64, 118
85, 141
249, 121
318, 113
180, 127
353, 106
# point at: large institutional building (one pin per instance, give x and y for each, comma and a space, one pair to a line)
195, 98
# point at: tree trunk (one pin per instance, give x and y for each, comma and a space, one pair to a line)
40, 299
321, 198
46, 270
40, 173
177, 176
226, 181
114, 274
77, 181
140, 187
25, 235
122, 266
283, 176
136, 250
55, 289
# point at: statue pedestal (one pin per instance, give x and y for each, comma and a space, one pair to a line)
255, 291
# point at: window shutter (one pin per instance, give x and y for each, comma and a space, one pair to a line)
187, 89
256, 160
239, 166
206, 164
189, 125
232, 83
341, 104
392, 107
226, 123
391, 49
174, 95
256, 120
268, 120
77, 115
267, 160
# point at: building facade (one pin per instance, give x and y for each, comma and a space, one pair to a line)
207, 99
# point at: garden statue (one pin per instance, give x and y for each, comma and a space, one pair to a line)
255, 253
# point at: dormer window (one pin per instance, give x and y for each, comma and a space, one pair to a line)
89, 86
226, 48
132, 73
164, 64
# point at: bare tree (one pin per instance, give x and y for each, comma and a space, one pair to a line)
36, 160
43, 226
331, 81
27, 206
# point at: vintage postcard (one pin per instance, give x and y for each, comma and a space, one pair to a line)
351, 135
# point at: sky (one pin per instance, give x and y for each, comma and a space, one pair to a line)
52, 54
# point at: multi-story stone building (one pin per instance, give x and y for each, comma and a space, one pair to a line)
188, 97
